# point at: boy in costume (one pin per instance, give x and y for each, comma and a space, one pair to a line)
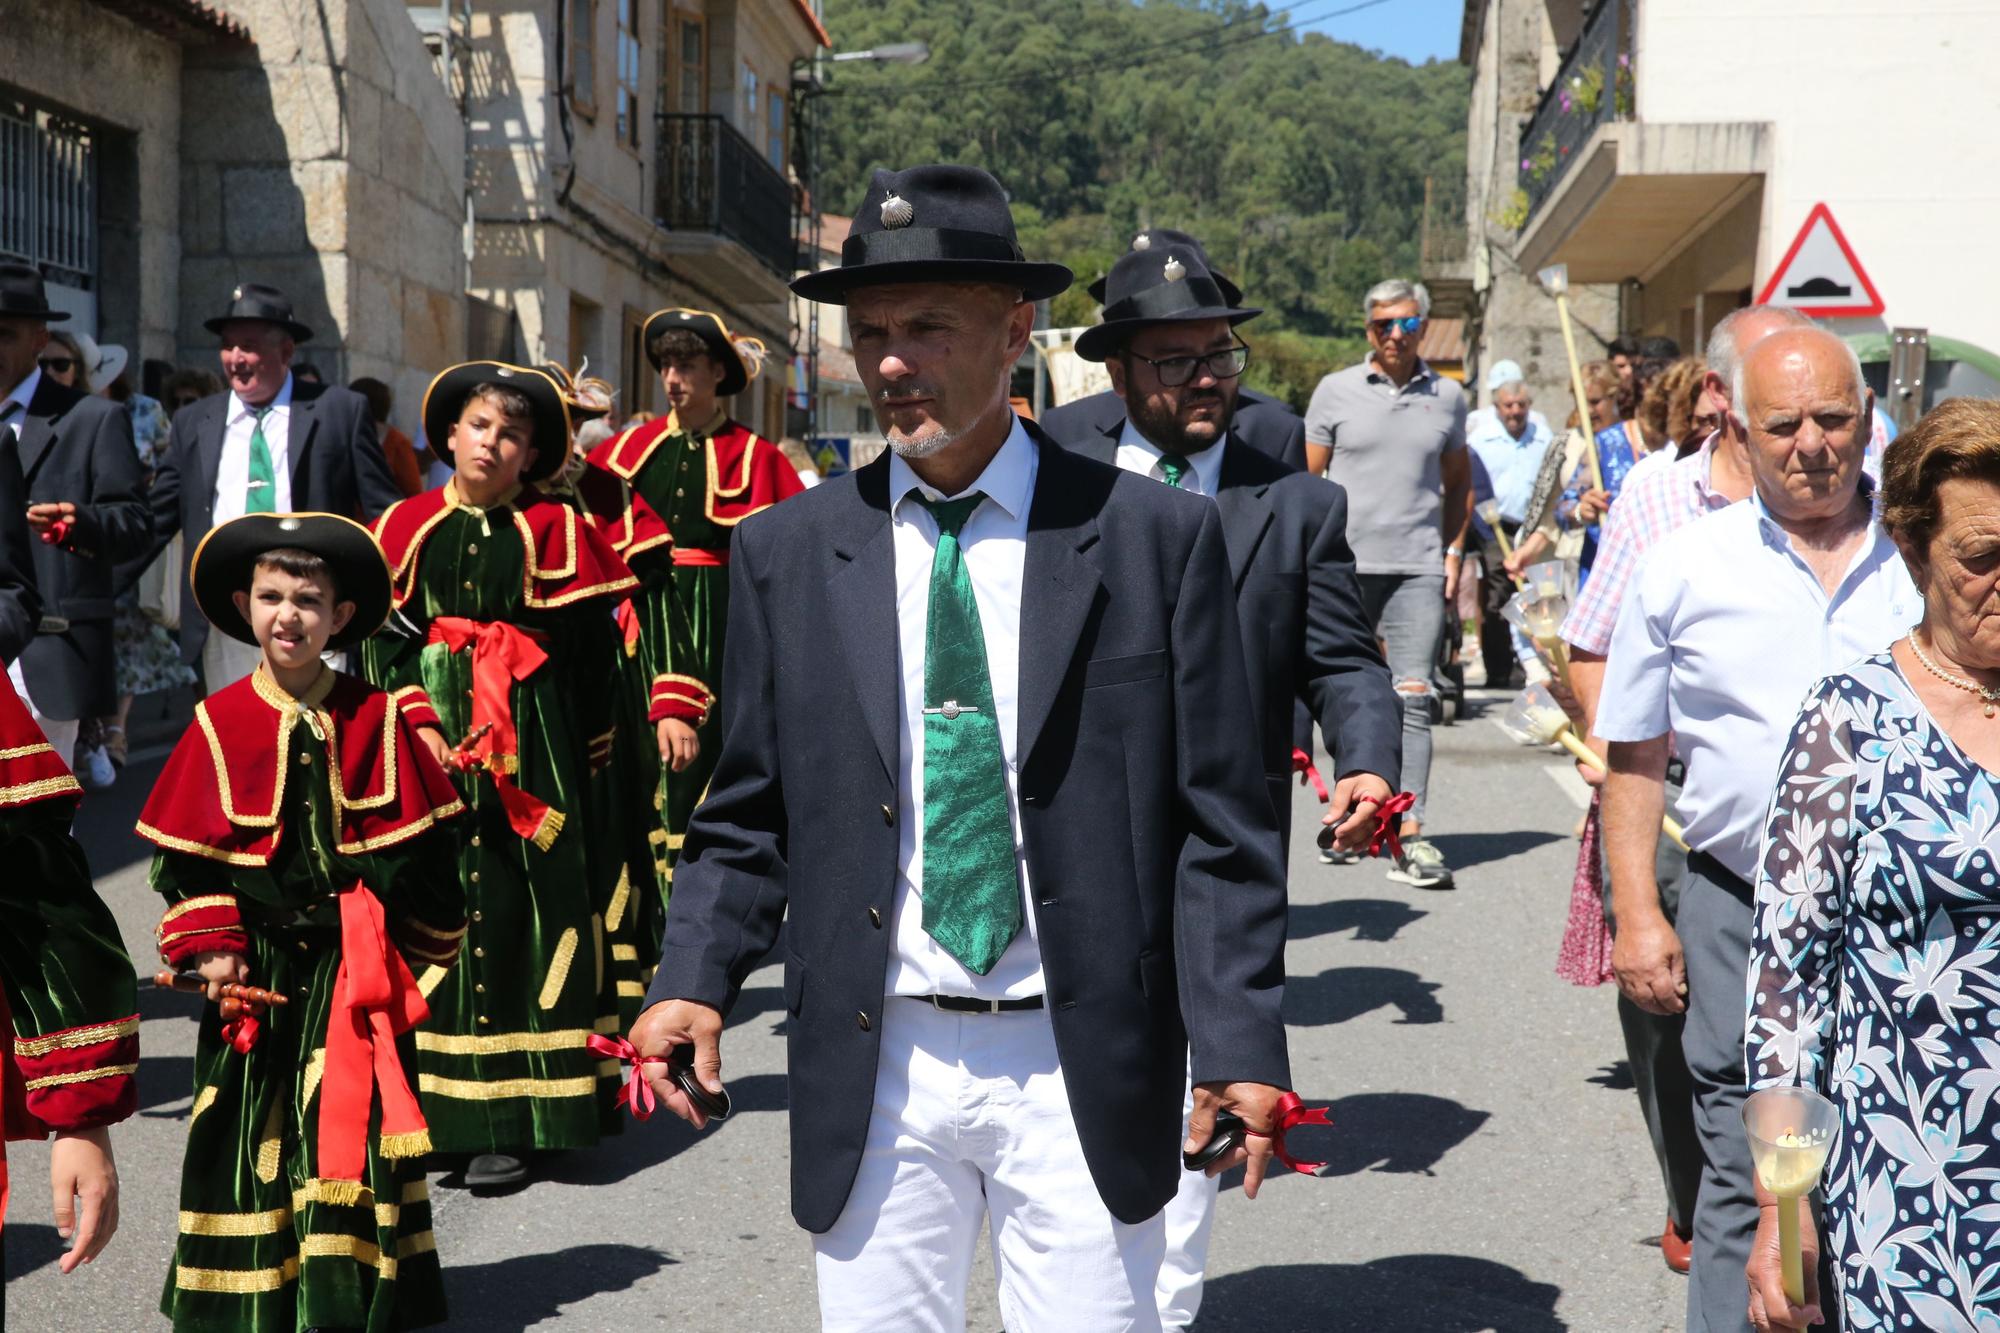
300, 849
668, 494
503, 638
69, 1010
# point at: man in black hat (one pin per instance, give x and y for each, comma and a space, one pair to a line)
1265, 424
1169, 339
981, 709
83, 499
268, 443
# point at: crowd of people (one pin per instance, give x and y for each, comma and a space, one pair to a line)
470, 756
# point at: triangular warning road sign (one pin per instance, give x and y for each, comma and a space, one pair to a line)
1820, 276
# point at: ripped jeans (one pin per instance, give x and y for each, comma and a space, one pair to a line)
1408, 611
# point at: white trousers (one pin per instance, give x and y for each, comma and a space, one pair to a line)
61, 733
1190, 1217
224, 661
972, 1123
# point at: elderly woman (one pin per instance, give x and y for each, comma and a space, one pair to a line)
1875, 962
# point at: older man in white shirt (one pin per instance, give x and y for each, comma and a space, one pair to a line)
1728, 624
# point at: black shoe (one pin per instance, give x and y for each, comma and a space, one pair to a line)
494, 1170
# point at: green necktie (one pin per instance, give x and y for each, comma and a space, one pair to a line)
1173, 467
261, 495
972, 899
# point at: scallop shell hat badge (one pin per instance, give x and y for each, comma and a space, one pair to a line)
1142, 242
897, 212
1174, 271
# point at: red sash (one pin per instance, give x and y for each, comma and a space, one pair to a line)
502, 653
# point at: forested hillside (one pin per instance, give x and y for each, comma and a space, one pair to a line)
1299, 161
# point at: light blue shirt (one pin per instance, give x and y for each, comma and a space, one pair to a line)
1511, 464
1722, 635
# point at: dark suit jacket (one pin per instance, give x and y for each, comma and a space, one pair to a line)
20, 603
1305, 637
1159, 895
1265, 424
337, 468
78, 447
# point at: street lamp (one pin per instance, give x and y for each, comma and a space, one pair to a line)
809, 80
1555, 281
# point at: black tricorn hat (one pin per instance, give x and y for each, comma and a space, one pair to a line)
708, 326
549, 407
223, 564
253, 300
1163, 284
1165, 236
22, 295
933, 224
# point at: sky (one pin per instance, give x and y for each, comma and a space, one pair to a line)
1416, 30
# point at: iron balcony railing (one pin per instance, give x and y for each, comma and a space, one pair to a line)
1593, 84
711, 179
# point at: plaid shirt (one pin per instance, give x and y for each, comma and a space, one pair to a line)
1656, 500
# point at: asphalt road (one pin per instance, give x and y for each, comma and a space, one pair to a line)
1489, 1169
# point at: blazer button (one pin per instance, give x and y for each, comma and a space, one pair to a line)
875, 918
888, 816
862, 1019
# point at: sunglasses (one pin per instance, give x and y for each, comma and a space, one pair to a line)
1175, 371
61, 365
1382, 328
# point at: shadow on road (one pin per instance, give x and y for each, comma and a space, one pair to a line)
1471, 849
105, 820
1410, 1293
1404, 1132
163, 1081
524, 1290
1343, 993
1373, 920
1617, 1076
32, 1245
664, 1137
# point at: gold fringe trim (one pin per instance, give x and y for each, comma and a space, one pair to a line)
80, 1076
236, 1282
316, 1190
545, 832
36, 1047
235, 1224
405, 1145
559, 969
202, 1101
501, 1043
339, 1193
614, 914
272, 1144
500, 1089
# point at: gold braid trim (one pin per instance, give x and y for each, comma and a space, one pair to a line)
403, 834
624, 953
173, 844
271, 1146
406, 1145
446, 935
501, 1043
26, 793
606, 1026
236, 1281
36, 1047
417, 1242
632, 990
23, 751
427, 983
315, 1070
336, 1246
416, 1191
80, 1076
202, 1101
500, 1089
559, 969
187, 905
235, 1224
614, 913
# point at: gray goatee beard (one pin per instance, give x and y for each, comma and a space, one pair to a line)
923, 446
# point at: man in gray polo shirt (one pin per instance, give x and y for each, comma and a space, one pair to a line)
1392, 431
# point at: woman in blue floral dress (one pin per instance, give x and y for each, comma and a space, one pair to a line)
1875, 959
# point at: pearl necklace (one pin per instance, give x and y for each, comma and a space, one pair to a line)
1991, 698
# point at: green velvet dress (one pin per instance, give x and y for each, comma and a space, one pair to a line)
261, 1248
503, 1064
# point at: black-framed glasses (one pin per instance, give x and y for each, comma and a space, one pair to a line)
1175, 371
61, 365
1382, 328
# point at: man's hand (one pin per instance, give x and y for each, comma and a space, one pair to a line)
435, 742
1362, 794
672, 1023
219, 969
1590, 506
1652, 970
1770, 1307
679, 745
1454, 565
81, 1170
1257, 1105
42, 517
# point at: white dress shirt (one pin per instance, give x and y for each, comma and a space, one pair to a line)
1138, 454
1723, 633
20, 396
995, 545
232, 476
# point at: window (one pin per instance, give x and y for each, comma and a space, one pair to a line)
774, 147
753, 106
583, 56
638, 381
690, 71
628, 73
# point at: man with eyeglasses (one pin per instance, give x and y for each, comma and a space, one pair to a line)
1392, 432
1169, 342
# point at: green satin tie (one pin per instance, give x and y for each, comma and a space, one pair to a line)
972, 898
261, 495
1172, 468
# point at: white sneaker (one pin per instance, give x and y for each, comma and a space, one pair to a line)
1333, 856
97, 772
1421, 866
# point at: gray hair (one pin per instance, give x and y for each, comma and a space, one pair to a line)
1859, 382
1724, 357
1515, 388
1391, 291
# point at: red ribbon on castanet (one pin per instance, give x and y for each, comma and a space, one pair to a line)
1302, 765
637, 1094
1292, 1113
1388, 824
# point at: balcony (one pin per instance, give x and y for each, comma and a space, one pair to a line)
711, 180
1593, 84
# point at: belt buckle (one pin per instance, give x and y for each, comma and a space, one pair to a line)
52, 625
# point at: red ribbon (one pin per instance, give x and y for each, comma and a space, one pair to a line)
1302, 765
1388, 825
637, 1094
1291, 1114
626, 617
375, 1000
501, 654
57, 532
241, 1032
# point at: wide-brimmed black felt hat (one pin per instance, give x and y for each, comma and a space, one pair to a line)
253, 300
933, 224
1162, 284
1165, 236
708, 326
24, 296
227, 557
548, 405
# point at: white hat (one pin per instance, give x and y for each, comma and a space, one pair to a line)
101, 364
1503, 372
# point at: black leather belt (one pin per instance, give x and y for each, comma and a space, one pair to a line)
966, 1004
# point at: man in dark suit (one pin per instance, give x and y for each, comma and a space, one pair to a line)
83, 499
1265, 424
1169, 339
269, 443
982, 709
